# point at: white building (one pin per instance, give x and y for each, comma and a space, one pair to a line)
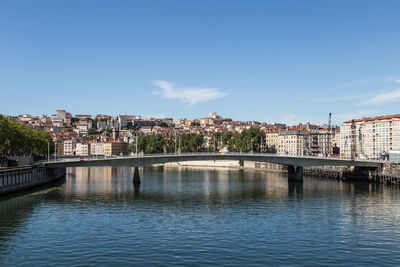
101, 124
82, 149
302, 140
97, 148
69, 148
64, 116
370, 137
124, 119
293, 142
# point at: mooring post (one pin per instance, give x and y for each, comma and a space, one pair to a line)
295, 173
136, 176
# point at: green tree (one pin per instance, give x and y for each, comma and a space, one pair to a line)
163, 124
246, 141
195, 123
17, 139
92, 131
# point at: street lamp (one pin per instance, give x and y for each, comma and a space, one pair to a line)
136, 143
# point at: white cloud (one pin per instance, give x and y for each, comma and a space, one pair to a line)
392, 79
155, 115
369, 82
383, 98
334, 99
356, 83
289, 119
189, 95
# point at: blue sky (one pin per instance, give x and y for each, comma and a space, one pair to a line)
272, 61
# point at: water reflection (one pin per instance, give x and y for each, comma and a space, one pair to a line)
200, 216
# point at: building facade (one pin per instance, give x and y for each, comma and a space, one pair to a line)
115, 148
370, 138
82, 149
271, 141
294, 143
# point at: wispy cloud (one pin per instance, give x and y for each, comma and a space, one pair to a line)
392, 79
369, 81
155, 115
356, 83
289, 119
245, 81
383, 98
189, 95
334, 99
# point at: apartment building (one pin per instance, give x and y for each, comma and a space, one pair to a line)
64, 116
271, 141
69, 148
59, 151
293, 142
82, 149
370, 137
101, 124
124, 119
182, 122
97, 148
320, 142
115, 148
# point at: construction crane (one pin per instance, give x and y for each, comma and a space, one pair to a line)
329, 122
353, 147
329, 135
360, 143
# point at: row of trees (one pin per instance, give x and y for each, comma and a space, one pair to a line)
157, 143
246, 141
17, 139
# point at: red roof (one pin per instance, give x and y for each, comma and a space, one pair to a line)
375, 118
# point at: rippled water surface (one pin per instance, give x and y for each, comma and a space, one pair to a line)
200, 216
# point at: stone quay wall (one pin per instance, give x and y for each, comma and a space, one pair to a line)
13, 180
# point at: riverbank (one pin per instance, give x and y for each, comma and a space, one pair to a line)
385, 175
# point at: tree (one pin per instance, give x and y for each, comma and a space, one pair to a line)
17, 139
246, 141
195, 123
191, 142
129, 125
163, 124
157, 143
92, 131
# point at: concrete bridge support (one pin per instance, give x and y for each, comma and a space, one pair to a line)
295, 173
136, 176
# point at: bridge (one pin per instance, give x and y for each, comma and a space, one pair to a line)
295, 163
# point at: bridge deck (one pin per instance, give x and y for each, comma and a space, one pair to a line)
150, 159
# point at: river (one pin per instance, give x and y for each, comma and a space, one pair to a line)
200, 216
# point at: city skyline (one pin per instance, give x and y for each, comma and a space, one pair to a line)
265, 61
80, 115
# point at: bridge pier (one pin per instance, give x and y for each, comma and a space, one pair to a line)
295, 173
136, 176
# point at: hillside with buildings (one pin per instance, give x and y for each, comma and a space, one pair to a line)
83, 134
